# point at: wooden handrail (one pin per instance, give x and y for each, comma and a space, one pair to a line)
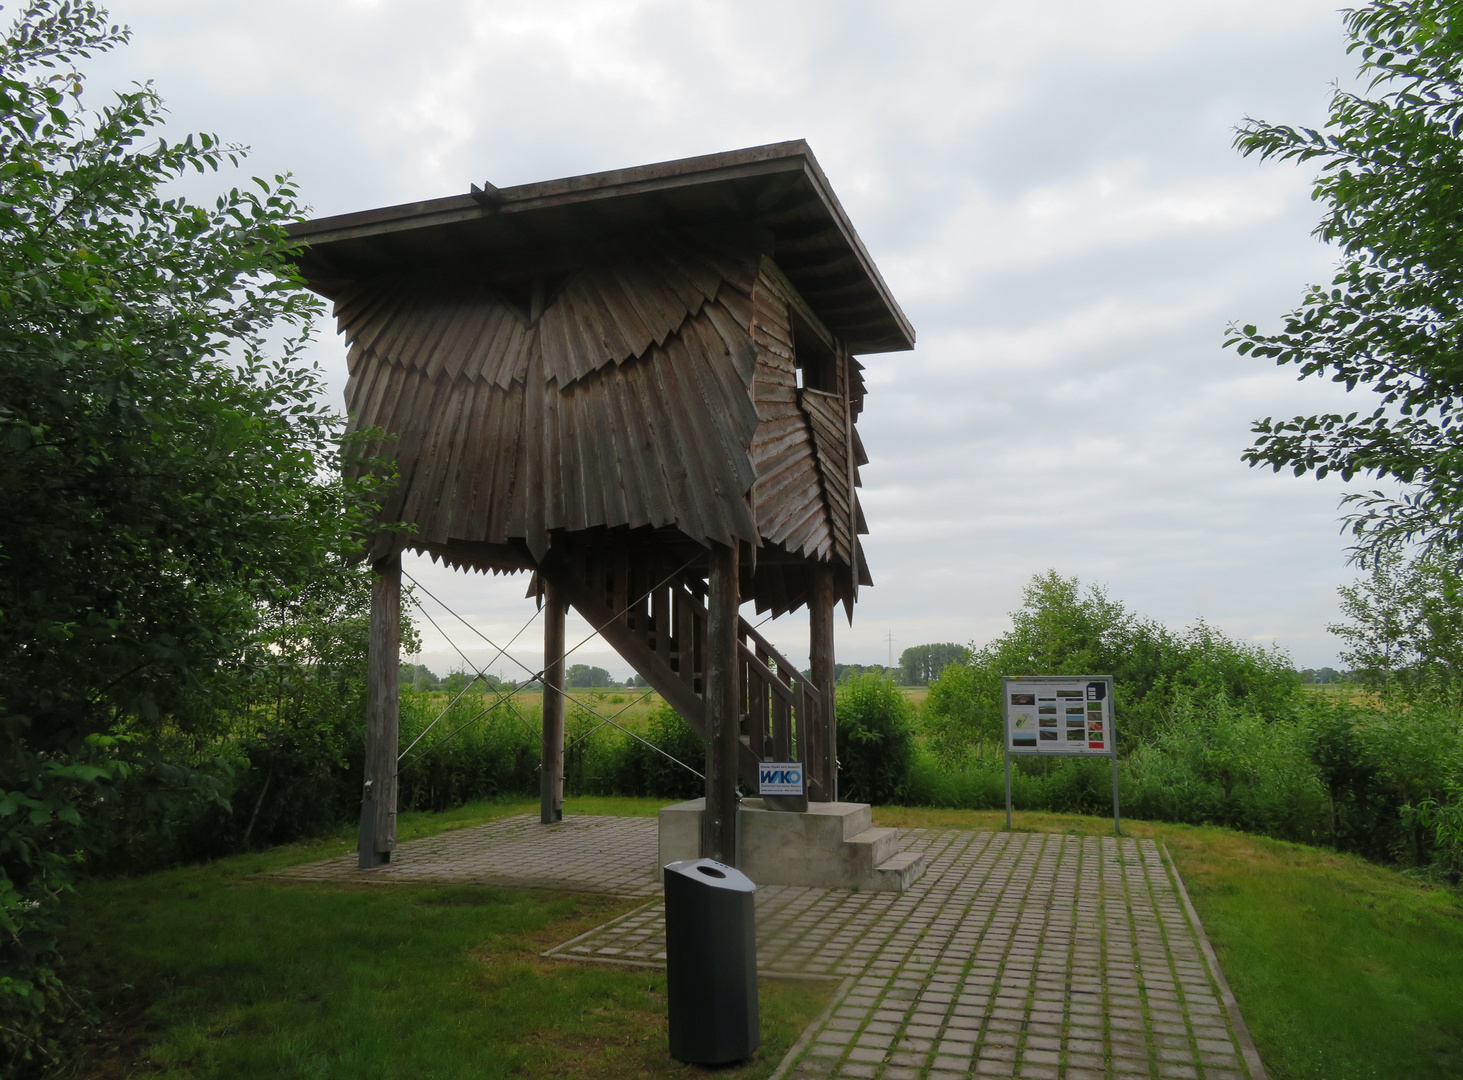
781, 688
791, 675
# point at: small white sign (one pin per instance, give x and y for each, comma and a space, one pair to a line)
780, 778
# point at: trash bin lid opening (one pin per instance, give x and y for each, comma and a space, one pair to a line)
711, 871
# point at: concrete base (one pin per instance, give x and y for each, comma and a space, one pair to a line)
830, 846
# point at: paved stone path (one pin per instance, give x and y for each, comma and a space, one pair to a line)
1016, 955
616, 855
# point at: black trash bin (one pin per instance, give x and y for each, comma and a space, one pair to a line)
711, 962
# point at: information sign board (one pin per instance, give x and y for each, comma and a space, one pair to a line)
1058, 715
1068, 715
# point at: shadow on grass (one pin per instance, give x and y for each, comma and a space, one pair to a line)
205, 972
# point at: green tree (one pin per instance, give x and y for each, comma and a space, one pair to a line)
1062, 629
419, 677
165, 481
1391, 320
581, 676
921, 663
1405, 633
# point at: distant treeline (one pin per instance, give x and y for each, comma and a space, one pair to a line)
576, 677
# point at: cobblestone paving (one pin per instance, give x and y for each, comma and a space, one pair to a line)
616, 855
1016, 955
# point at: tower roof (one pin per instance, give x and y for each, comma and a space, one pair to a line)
778, 189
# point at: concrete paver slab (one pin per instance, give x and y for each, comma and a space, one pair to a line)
1017, 955
615, 855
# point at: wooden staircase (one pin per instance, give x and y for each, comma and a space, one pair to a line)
654, 616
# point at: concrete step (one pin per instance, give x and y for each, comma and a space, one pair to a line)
881, 843
829, 846
857, 817
898, 872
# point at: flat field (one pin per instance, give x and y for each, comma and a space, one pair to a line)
628, 707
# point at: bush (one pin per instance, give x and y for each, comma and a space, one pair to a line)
1217, 763
481, 748
875, 740
1062, 629
961, 719
611, 762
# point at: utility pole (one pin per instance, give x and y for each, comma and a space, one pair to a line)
891, 649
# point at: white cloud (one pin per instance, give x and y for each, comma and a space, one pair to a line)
1049, 190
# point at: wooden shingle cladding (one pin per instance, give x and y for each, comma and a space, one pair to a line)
803, 453
625, 403
620, 351
654, 387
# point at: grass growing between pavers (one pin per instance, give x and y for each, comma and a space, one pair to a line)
416, 824
216, 972
1342, 969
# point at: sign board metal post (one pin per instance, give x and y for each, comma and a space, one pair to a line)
1061, 715
1117, 817
1008, 786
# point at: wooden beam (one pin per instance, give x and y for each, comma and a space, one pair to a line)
636, 652
551, 770
820, 659
846, 381
383, 716
723, 724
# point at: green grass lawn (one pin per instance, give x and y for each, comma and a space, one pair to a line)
1343, 969
224, 974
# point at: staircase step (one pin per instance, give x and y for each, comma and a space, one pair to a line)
883, 843
899, 871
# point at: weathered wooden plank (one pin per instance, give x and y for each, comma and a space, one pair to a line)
383, 716
855, 514
686, 633
551, 765
471, 482
660, 614
821, 664
761, 671
504, 469
640, 487
719, 822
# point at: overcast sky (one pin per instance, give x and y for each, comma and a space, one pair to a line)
1049, 190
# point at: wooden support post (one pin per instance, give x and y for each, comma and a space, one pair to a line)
383, 716
551, 770
824, 766
723, 725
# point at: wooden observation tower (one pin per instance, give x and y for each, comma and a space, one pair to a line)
639, 385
